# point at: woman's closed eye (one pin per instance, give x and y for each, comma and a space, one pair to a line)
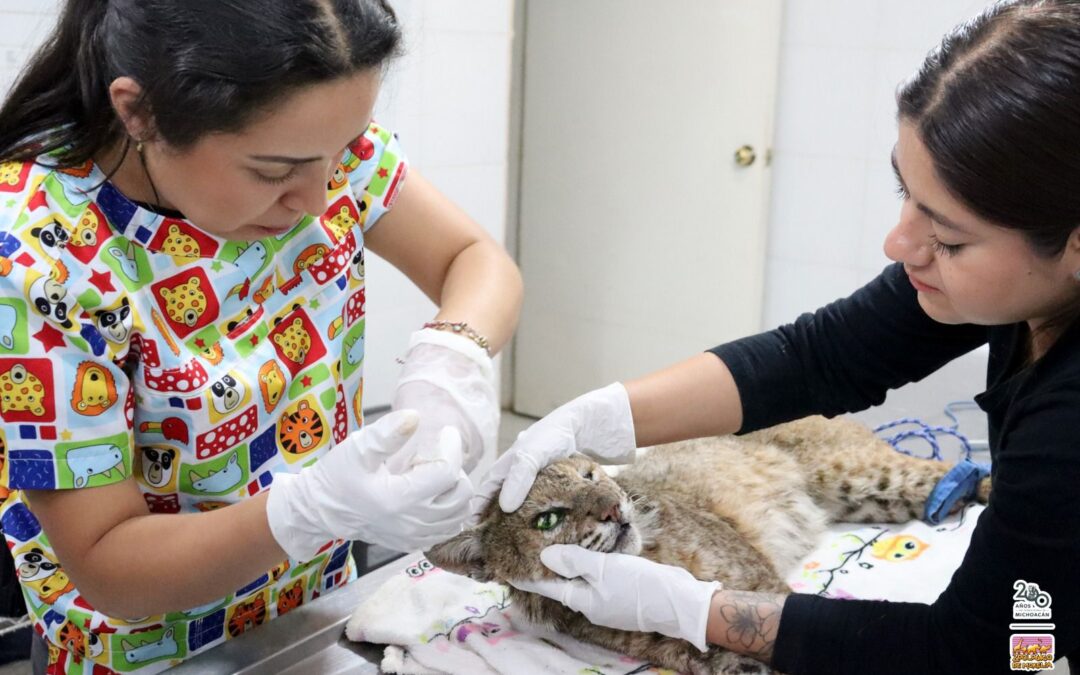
943, 248
275, 180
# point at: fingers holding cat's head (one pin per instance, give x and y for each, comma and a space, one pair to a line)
572, 501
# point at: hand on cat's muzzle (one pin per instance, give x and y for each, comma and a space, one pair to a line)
626, 592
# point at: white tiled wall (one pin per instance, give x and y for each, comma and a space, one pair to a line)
833, 192
448, 98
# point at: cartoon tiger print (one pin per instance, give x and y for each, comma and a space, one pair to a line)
278, 571
291, 597
247, 615
72, 640
301, 430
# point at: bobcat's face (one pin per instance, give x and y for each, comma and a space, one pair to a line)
572, 502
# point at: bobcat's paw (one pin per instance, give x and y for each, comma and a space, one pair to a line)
730, 663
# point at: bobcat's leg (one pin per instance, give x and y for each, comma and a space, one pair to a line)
857, 477
654, 648
724, 662
666, 652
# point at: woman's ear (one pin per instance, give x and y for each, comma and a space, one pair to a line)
1072, 253
124, 92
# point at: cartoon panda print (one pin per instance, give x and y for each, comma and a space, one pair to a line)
158, 464
227, 394
51, 300
114, 324
356, 265
51, 238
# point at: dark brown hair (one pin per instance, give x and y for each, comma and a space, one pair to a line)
997, 105
204, 66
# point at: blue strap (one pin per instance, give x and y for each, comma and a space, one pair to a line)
920, 430
960, 483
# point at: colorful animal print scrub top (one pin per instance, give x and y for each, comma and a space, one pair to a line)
136, 345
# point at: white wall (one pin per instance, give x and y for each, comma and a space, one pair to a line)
23, 25
449, 100
833, 191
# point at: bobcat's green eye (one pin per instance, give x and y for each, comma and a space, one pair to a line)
549, 520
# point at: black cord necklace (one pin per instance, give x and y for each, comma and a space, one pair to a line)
146, 172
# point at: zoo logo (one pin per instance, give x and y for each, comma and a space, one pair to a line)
1030, 602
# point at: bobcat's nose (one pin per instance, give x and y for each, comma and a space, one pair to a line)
611, 514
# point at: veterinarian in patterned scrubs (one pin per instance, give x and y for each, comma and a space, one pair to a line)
184, 335
987, 252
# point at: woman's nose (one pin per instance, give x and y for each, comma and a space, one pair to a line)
307, 197
909, 240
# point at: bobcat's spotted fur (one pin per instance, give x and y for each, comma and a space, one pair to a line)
740, 510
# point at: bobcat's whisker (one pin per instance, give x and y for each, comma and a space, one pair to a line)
588, 541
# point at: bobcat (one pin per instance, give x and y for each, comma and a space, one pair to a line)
740, 510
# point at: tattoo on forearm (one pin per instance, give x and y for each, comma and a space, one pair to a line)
748, 622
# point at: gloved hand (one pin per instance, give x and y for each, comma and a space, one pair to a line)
598, 424
960, 483
627, 592
449, 380
351, 494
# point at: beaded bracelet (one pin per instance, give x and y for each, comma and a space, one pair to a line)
463, 329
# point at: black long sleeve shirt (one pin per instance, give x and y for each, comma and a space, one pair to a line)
844, 358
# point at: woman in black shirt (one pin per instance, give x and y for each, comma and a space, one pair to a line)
987, 249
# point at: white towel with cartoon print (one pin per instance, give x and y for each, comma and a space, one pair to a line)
909, 562
437, 622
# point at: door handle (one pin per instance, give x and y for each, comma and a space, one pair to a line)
745, 156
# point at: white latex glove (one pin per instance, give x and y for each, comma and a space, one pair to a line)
598, 424
351, 493
627, 592
449, 380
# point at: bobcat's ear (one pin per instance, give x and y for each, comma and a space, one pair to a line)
462, 555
